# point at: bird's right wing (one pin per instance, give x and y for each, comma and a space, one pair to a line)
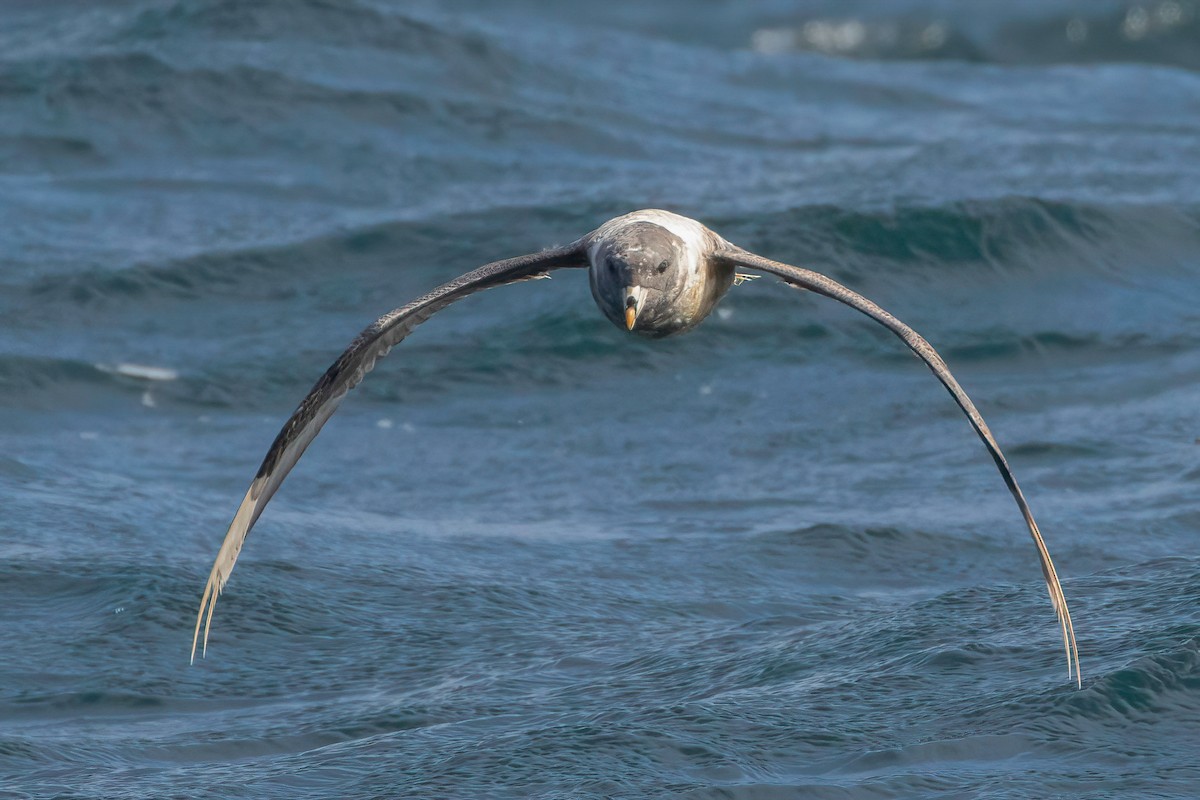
816, 282
370, 345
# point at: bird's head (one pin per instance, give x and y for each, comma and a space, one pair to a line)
637, 275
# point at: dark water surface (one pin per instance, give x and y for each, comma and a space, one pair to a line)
534, 556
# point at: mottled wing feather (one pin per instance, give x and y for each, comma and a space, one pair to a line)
346, 373
820, 284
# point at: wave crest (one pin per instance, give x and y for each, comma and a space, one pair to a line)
1165, 32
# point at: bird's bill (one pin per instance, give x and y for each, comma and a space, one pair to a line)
633, 302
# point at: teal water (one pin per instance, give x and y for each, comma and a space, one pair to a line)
533, 556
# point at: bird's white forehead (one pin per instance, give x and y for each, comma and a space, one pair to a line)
689, 231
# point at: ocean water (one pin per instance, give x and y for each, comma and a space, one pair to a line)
534, 556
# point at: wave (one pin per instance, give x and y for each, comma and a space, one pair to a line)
228, 106
927, 263
350, 23
1007, 236
876, 544
1157, 686
1165, 32
46, 382
1004, 235
369, 253
224, 78
37, 153
29, 376
1154, 684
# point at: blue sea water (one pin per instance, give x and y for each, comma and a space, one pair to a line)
533, 556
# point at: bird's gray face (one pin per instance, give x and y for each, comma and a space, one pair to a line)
637, 276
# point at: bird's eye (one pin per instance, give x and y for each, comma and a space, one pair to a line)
663, 266
611, 263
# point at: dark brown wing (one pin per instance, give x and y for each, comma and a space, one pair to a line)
820, 284
324, 398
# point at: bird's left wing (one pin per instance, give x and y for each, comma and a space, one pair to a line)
372, 344
816, 282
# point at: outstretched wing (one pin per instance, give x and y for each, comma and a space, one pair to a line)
324, 398
820, 284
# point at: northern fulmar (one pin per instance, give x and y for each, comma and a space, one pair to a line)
652, 272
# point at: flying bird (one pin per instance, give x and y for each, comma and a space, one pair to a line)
651, 272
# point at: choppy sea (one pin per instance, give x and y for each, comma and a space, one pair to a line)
533, 556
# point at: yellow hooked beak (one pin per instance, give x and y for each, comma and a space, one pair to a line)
630, 314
